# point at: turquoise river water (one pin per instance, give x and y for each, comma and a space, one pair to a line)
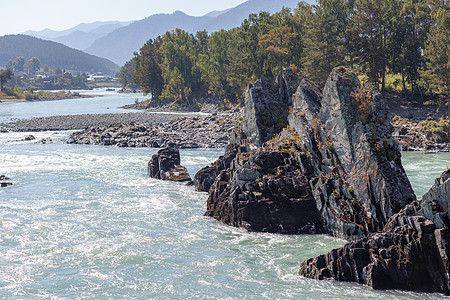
86, 222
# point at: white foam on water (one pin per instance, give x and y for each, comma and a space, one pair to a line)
87, 222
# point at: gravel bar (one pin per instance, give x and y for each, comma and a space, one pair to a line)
74, 122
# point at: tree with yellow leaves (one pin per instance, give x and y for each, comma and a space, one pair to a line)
276, 42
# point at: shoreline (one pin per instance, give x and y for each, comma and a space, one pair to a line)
117, 124
48, 99
82, 121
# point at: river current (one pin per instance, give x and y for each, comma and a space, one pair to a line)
86, 222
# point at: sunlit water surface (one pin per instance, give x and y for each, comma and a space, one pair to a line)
108, 102
86, 222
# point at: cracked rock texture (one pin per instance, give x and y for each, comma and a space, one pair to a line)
411, 252
165, 165
309, 161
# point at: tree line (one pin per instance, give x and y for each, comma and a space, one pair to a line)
409, 38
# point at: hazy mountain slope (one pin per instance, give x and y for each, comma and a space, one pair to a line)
84, 27
52, 54
81, 40
234, 17
216, 13
119, 45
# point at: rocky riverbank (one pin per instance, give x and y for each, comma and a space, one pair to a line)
73, 122
428, 135
206, 105
182, 132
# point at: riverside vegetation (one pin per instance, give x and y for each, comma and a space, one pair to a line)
396, 45
13, 94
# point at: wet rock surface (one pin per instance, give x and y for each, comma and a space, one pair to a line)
183, 132
335, 169
166, 165
4, 182
410, 253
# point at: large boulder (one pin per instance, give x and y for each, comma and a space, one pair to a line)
165, 165
307, 162
410, 253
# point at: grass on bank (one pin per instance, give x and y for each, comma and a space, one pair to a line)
11, 94
436, 130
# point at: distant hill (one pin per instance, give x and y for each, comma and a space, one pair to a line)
53, 54
119, 45
81, 36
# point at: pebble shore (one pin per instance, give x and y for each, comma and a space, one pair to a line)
73, 122
183, 132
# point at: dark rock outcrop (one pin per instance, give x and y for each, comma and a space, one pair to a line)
310, 163
412, 252
165, 165
267, 106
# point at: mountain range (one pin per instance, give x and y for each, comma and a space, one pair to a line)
117, 41
52, 54
79, 37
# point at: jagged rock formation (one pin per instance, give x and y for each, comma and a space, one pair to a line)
335, 169
410, 253
165, 165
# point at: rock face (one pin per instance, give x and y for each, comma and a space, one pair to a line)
410, 253
267, 106
307, 162
165, 165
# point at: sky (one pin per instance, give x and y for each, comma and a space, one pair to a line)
17, 16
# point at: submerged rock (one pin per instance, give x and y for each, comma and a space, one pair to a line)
410, 253
2, 181
165, 165
315, 163
29, 138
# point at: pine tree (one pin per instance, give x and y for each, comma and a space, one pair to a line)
324, 40
147, 72
368, 38
276, 42
437, 53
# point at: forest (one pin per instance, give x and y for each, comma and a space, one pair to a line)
52, 54
400, 45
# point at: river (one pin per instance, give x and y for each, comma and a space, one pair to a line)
86, 222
